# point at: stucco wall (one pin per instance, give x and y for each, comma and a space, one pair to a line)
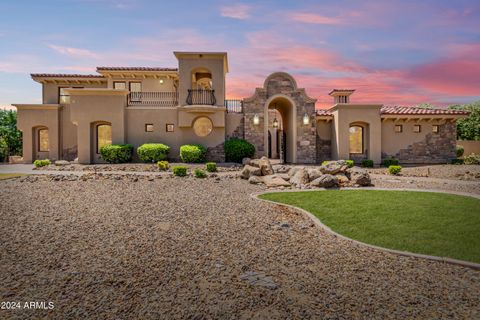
51, 90
148, 84
469, 146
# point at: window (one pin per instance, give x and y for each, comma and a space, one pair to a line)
104, 136
398, 128
356, 139
148, 127
135, 91
169, 127
63, 96
202, 126
119, 85
417, 128
435, 128
43, 143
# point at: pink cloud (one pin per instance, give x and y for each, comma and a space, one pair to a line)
313, 18
236, 11
74, 52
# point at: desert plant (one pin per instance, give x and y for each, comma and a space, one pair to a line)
199, 173
350, 163
459, 150
390, 161
472, 159
163, 165
153, 152
193, 153
179, 171
367, 163
324, 163
393, 169
41, 163
237, 149
211, 166
117, 153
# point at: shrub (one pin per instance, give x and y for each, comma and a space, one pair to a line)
394, 169
117, 153
199, 173
350, 163
237, 149
459, 150
162, 165
456, 161
41, 163
193, 153
367, 163
153, 152
179, 171
211, 166
390, 161
324, 163
472, 159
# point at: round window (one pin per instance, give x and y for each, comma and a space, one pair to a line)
202, 126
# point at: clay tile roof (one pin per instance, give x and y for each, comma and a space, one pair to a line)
63, 75
398, 110
135, 69
323, 112
342, 90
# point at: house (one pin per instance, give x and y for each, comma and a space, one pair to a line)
184, 105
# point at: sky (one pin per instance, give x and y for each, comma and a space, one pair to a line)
392, 52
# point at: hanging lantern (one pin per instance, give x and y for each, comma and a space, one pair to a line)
275, 123
306, 119
256, 119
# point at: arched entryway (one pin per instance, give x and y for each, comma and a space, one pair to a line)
41, 142
358, 137
101, 133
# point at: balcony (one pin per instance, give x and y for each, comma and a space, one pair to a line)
154, 99
201, 97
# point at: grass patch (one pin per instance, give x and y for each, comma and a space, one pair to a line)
437, 224
5, 176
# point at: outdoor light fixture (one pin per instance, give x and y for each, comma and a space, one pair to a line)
161, 81
275, 123
256, 119
306, 119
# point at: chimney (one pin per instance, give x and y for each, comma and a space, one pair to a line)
341, 95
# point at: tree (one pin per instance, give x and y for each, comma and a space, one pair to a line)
10, 137
469, 128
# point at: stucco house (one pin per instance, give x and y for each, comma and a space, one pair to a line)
176, 106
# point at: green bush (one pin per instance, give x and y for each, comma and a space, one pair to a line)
237, 149
41, 163
153, 152
117, 153
193, 153
324, 163
162, 165
472, 159
199, 173
367, 163
211, 166
390, 161
350, 163
456, 161
394, 169
459, 150
179, 171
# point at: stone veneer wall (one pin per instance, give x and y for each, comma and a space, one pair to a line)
239, 131
324, 150
216, 154
435, 148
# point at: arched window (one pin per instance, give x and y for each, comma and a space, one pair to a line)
43, 141
356, 139
104, 136
202, 126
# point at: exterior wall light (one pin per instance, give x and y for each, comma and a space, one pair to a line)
256, 119
275, 123
161, 81
306, 119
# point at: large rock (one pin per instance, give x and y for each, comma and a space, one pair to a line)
359, 176
246, 161
274, 181
255, 163
294, 170
265, 166
300, 177
314, 173
62, 163
342, 179
281, 169
325, 181
334, 167
249, 171
255, 180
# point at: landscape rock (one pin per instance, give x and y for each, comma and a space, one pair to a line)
255, 180
314, 174
274, 181
294, 170
62, 163
300, 177
246, 161
325, 181
249, 171
359, 176
265, 166
334, 167
281, 169
342, 179
255, 163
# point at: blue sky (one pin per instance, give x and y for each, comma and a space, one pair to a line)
392, 52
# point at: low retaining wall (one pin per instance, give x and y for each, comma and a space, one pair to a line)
470, 146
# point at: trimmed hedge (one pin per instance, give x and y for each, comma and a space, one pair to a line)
391, 161
199, 173
153, 152
459, 150
237, 149
179, 171
41, 163
211, 166
367, 163
394, 169
117, 153
193, 153
162, 165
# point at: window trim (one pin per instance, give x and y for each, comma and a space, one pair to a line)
130, 86
39, 144
115, 82
363, 139
398, 126
419, 128
146, 127
96, 135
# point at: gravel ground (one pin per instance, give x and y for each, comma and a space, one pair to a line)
453, 172
174, 248
134, 167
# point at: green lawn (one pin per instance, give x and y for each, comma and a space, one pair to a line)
4, 176
437, 224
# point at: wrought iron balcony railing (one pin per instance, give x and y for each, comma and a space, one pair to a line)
201, 96
157, 99
234, 105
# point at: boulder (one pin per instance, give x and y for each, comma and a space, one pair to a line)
359, 176
314, 173
334, 167
255, 163
284, 176
325, 181
342, 179
62, 163
249, 171
246, 161
300, 177
255, 180
274, 181
265, 166
294, 170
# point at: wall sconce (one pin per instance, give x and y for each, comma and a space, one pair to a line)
275, 123
161, 81
256, 119
306, 119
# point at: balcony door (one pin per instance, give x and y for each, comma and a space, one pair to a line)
135, 91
